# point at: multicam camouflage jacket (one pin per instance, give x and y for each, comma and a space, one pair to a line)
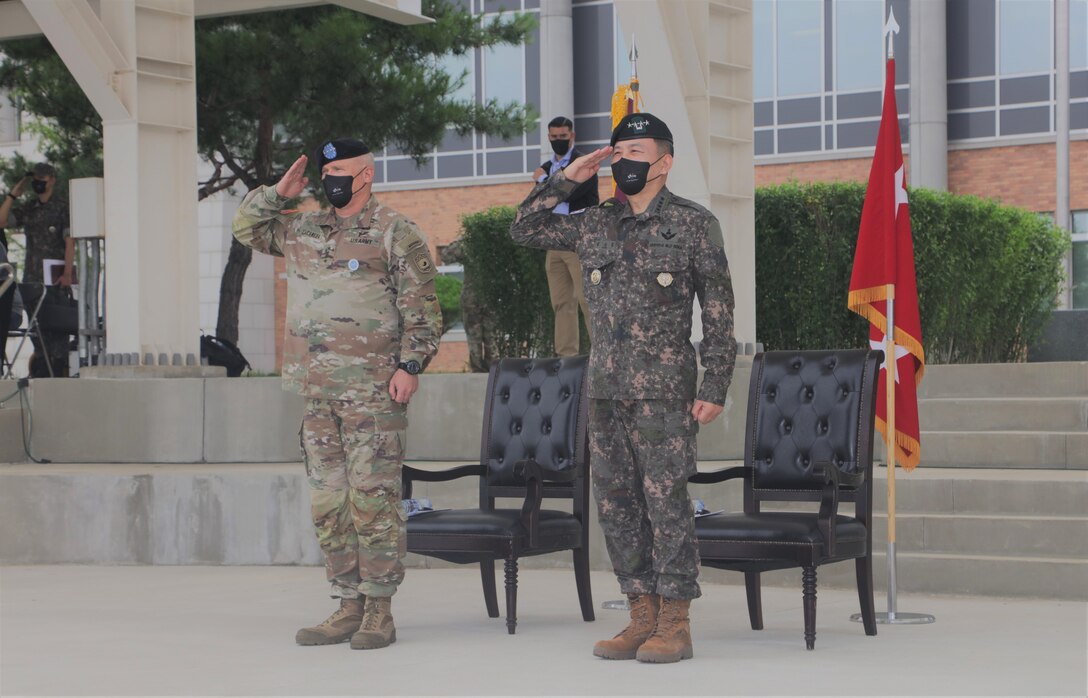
360, 294
640, 274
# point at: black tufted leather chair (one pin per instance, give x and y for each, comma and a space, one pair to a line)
534, 446
809, 438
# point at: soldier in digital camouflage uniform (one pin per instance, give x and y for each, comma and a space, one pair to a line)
643, 262
44, 220
362, 321
473, 315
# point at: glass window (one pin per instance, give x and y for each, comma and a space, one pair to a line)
1078, 35
1024, 36
800, 47
763, 49
1080, 259
504, 72
859, 54
460, 68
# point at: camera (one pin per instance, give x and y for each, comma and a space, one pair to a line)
29, 174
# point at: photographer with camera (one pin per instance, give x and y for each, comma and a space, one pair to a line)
44, 221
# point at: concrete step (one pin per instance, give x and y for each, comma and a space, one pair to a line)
989, 575
1004, 414
1060, 537
1051, 379
995, 492
1052, 450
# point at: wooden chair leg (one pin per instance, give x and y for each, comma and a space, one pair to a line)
491, 598
755, 599
511, 569
808, 585
864, 567
581, 577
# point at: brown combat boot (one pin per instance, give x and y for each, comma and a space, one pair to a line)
671, 639
644, 608
377, 630
338, 627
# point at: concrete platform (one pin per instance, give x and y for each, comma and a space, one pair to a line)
155, 630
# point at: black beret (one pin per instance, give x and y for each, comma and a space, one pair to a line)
641, 125
339, 149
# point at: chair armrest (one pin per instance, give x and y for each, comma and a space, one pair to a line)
535, 475
408, 475
829, 501
719, 475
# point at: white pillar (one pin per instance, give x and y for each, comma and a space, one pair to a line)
152, 277
556, 64
1061, 126
928, 95
695, 72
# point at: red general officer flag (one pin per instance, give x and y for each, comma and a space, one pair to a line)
885, 255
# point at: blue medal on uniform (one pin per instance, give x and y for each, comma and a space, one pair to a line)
353, 264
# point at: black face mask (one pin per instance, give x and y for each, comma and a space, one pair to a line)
630, 175
560, 146
39, 186
338, 189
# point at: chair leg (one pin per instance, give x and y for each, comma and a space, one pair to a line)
755, 599
511, 569
581, 576
808, 585
864, 566
491, 598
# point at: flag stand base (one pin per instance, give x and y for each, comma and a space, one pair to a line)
617, 605
898, 618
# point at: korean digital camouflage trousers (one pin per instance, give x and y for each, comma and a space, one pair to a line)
353, 462
641, 454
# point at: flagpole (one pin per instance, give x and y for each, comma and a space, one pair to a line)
889, 442
891, 28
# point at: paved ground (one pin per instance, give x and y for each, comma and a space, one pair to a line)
69, 630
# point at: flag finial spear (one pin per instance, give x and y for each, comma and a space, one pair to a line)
891, 28
632, 56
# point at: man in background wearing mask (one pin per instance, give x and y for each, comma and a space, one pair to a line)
564, 272
644, 262
362, 322
44, 220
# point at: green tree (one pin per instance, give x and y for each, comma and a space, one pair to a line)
273, 85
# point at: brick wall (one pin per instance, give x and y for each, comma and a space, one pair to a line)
1016, 175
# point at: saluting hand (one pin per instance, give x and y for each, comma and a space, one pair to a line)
586, 166
294, 180
19, 188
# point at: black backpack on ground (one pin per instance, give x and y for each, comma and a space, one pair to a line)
220, 352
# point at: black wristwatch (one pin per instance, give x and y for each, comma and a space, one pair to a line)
411, 367
13, 197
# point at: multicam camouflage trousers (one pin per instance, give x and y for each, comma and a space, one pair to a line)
641, 454
353, 461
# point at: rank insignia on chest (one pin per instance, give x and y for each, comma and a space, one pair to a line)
664, 279
595, 277
668, 233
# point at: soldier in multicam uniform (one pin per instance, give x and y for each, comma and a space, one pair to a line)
44, 220
643, 262
362, 322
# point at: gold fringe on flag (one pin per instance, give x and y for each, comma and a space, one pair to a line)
623, 95
907, 449
860, 302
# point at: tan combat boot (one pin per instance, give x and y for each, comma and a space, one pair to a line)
644, 608
671, 639
377, 629
338, 627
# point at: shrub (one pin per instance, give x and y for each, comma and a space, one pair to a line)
511, 283
988, 274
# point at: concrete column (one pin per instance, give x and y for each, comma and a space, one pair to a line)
1061, 127
556, 64
695, 70
152, 276
928, 95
